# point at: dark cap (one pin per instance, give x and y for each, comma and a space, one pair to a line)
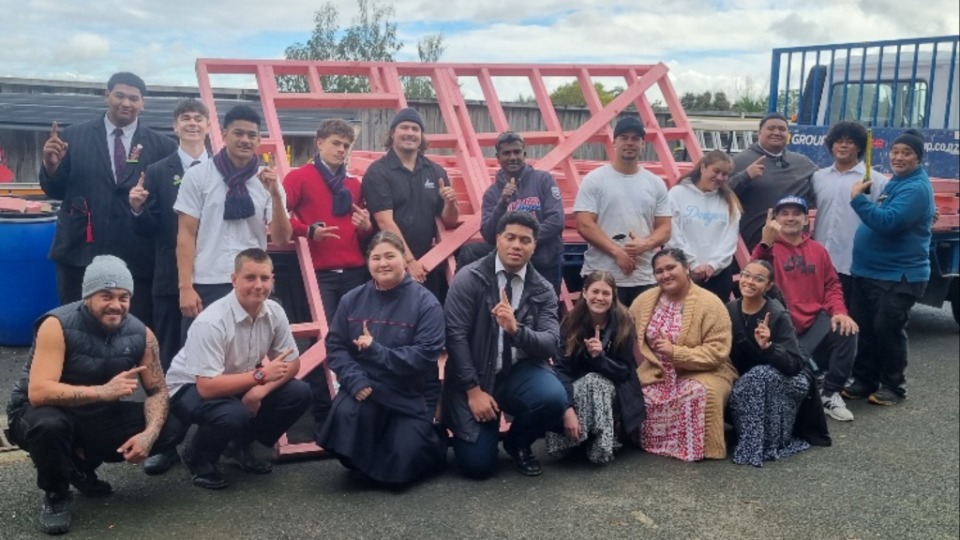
629, 123
791, 200
406, 115
913, 139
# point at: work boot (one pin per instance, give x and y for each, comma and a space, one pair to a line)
205, 475
239, 454
55, 517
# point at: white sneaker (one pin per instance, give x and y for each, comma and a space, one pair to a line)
834, 407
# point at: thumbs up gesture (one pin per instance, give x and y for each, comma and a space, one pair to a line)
360, 218
509, 190
662, 345
268, 175
138, 195
771, 230
635, 246
594, 345
53, 151
365, 340
447, 193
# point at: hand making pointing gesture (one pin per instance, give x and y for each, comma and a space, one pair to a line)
53, 151
138, 195
762, 332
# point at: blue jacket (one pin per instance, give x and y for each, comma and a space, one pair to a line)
408, 335
894, 239
537, 192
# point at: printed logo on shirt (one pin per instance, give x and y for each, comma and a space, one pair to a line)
707, 217
799, 263
527, 204
555, 191
429, 184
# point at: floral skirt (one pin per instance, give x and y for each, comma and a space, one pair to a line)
675, 424
764, 404
593, 397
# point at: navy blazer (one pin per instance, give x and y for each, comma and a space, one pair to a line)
95, 217
158, 221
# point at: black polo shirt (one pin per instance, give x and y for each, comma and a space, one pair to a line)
414, 197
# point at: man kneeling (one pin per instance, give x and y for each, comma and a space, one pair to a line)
218, 380
66, 411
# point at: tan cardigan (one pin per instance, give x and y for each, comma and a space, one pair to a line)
702, 353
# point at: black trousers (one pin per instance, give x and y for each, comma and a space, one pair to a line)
627, 295
208, 295
222, 420
846, 283
720, 284
882, 309
333, 285
52, 436
70, 289
167, 321
831, 351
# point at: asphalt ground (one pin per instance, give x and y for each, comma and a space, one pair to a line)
893, 473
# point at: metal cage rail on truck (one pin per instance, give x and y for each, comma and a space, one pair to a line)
469, 170
889, 86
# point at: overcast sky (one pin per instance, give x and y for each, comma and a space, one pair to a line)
708, 44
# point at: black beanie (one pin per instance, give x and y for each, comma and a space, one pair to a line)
913, 139
406, 115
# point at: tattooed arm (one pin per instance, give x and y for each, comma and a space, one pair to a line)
45, 388
155, 407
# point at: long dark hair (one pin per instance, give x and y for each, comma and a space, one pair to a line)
578, 325
694, 176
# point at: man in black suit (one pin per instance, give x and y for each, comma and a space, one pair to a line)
91, 167
151, 203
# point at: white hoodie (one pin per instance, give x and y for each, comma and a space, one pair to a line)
702, 227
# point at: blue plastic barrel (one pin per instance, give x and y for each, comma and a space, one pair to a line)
28, 280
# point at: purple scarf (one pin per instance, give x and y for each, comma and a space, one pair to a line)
342, 198
238, 204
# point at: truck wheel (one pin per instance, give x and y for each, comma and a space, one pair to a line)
955, 299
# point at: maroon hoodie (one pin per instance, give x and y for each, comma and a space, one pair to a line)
807, 278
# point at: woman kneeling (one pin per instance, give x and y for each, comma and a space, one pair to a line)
383, 344
599, 372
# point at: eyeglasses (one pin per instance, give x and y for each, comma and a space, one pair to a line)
756, 278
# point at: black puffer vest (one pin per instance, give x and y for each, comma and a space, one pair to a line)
93, 355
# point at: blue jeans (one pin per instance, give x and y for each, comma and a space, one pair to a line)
535, 398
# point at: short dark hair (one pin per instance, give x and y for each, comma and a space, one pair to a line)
336, 126
773, 116
524, 219
129, 79
676, 254
190, 105
508, 137
241, 112
386, 237
847, 130
256, 255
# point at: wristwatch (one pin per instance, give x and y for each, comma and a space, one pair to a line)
314, 227
259, 376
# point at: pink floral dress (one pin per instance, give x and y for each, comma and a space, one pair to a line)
675, 407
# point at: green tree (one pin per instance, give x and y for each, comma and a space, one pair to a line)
370, 37
570, 95
720, 101
688, 101
429, 49
703, 102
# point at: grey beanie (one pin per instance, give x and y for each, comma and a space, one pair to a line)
406, 115
106, 272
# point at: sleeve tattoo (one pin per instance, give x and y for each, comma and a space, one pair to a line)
156, 406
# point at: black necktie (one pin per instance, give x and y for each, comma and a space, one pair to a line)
195, 162
506, 356
119, 154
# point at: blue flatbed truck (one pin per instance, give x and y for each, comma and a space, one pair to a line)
889, 86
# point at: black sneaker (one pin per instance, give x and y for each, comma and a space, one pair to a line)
161, 463
886, 396
240, 455
55, 517
856, 390
88, 484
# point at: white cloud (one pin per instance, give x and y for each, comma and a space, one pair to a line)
83, 47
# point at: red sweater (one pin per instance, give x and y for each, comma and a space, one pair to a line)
309, 200
807, 278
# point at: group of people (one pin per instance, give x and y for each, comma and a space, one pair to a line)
654, 353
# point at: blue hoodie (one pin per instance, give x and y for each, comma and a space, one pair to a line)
537, 192
894, 239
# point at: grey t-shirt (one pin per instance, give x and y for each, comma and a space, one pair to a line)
623, 203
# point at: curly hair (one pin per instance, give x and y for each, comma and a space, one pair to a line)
847, 130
